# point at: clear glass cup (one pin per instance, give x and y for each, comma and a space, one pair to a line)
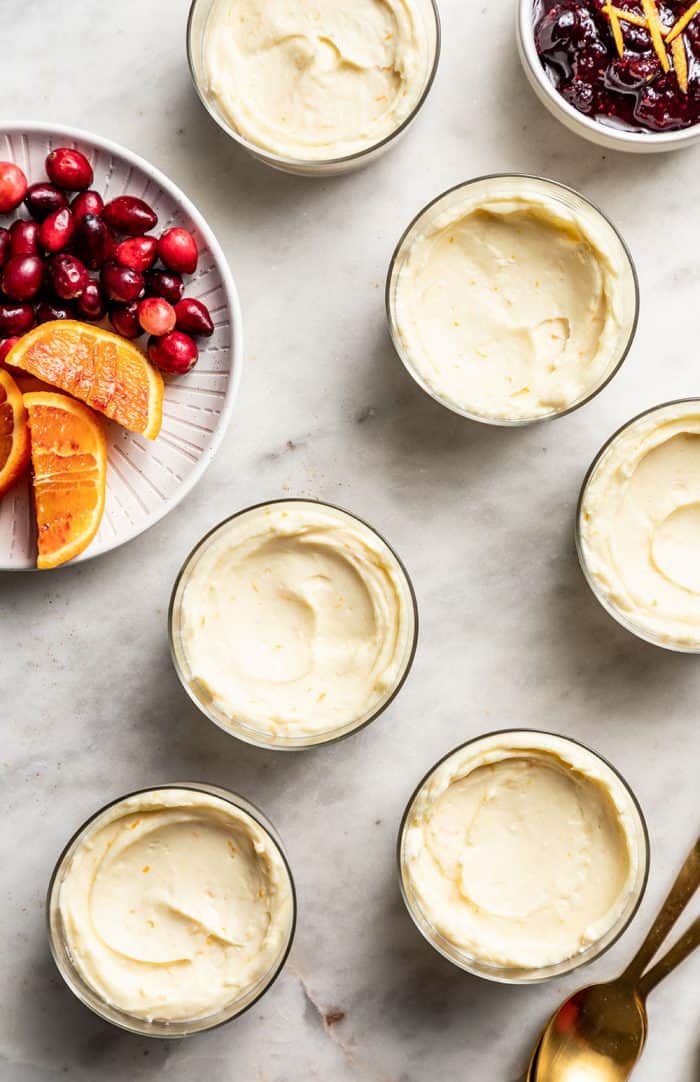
505, 975
492, 186
235, 727
196, 30
87, 995
617, 614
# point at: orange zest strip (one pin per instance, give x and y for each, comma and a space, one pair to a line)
657, 32
680, 26
616, 29
626, 16
680, 63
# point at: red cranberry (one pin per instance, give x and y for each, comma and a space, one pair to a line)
139, 253
6, 345
4, 245
175, 353
69, 169
178, 250
164, 284
24, 238
47, 311
121, 284
56, 232
22, 277
156, 316
43, 199
193, 317
90, 304
86, 203
94, 242
130, 215
13, 186
15, 318
124, 318
69, 276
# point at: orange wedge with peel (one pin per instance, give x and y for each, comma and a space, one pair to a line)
69, 467
14, 433
97, 367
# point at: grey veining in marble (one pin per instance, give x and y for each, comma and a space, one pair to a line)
483, 518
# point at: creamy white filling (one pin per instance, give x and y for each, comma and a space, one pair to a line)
511, 305
640, 524
522, 850
296, 620
174, 905
317, 79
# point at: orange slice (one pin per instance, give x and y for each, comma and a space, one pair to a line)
69, 466
96, 366
14, 433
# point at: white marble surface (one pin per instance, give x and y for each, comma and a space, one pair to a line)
90, 704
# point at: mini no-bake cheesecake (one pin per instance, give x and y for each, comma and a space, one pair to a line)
173, 906
522, 852
512, 299
317, 80
293, 623
639, 526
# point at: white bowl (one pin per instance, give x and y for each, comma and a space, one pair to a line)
593, 130
145, 478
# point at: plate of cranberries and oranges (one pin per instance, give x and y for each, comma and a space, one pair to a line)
115, 293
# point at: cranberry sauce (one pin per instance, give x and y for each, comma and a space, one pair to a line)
576, 43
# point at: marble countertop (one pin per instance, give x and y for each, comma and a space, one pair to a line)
483, 518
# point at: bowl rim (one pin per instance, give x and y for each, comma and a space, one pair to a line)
501, 422
81, 135
602, 600
333, 737
312, 165
541, 978
125, 1021
587, 126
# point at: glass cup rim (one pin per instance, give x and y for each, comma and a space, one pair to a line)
605, 604
625, 139
333, 738
500, 422
129, 1023
540, 977
314, 164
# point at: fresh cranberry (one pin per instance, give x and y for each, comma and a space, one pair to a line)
5, 245
127, 214
121, 284
69, 169
46, 311
90, 304
56, 232
86, 203
139, 253
15, 318
24, 238
22, 277
178, 250
175, 353
124, 318
13, 186
6, 345
94, 242
43, 199
164, 284
69, 277
156, 316
193, 317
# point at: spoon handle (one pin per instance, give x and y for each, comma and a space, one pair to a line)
681, 892
685, 946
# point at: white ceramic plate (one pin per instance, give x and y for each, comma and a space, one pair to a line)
146, 479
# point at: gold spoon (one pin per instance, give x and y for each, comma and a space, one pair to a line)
598, 1034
